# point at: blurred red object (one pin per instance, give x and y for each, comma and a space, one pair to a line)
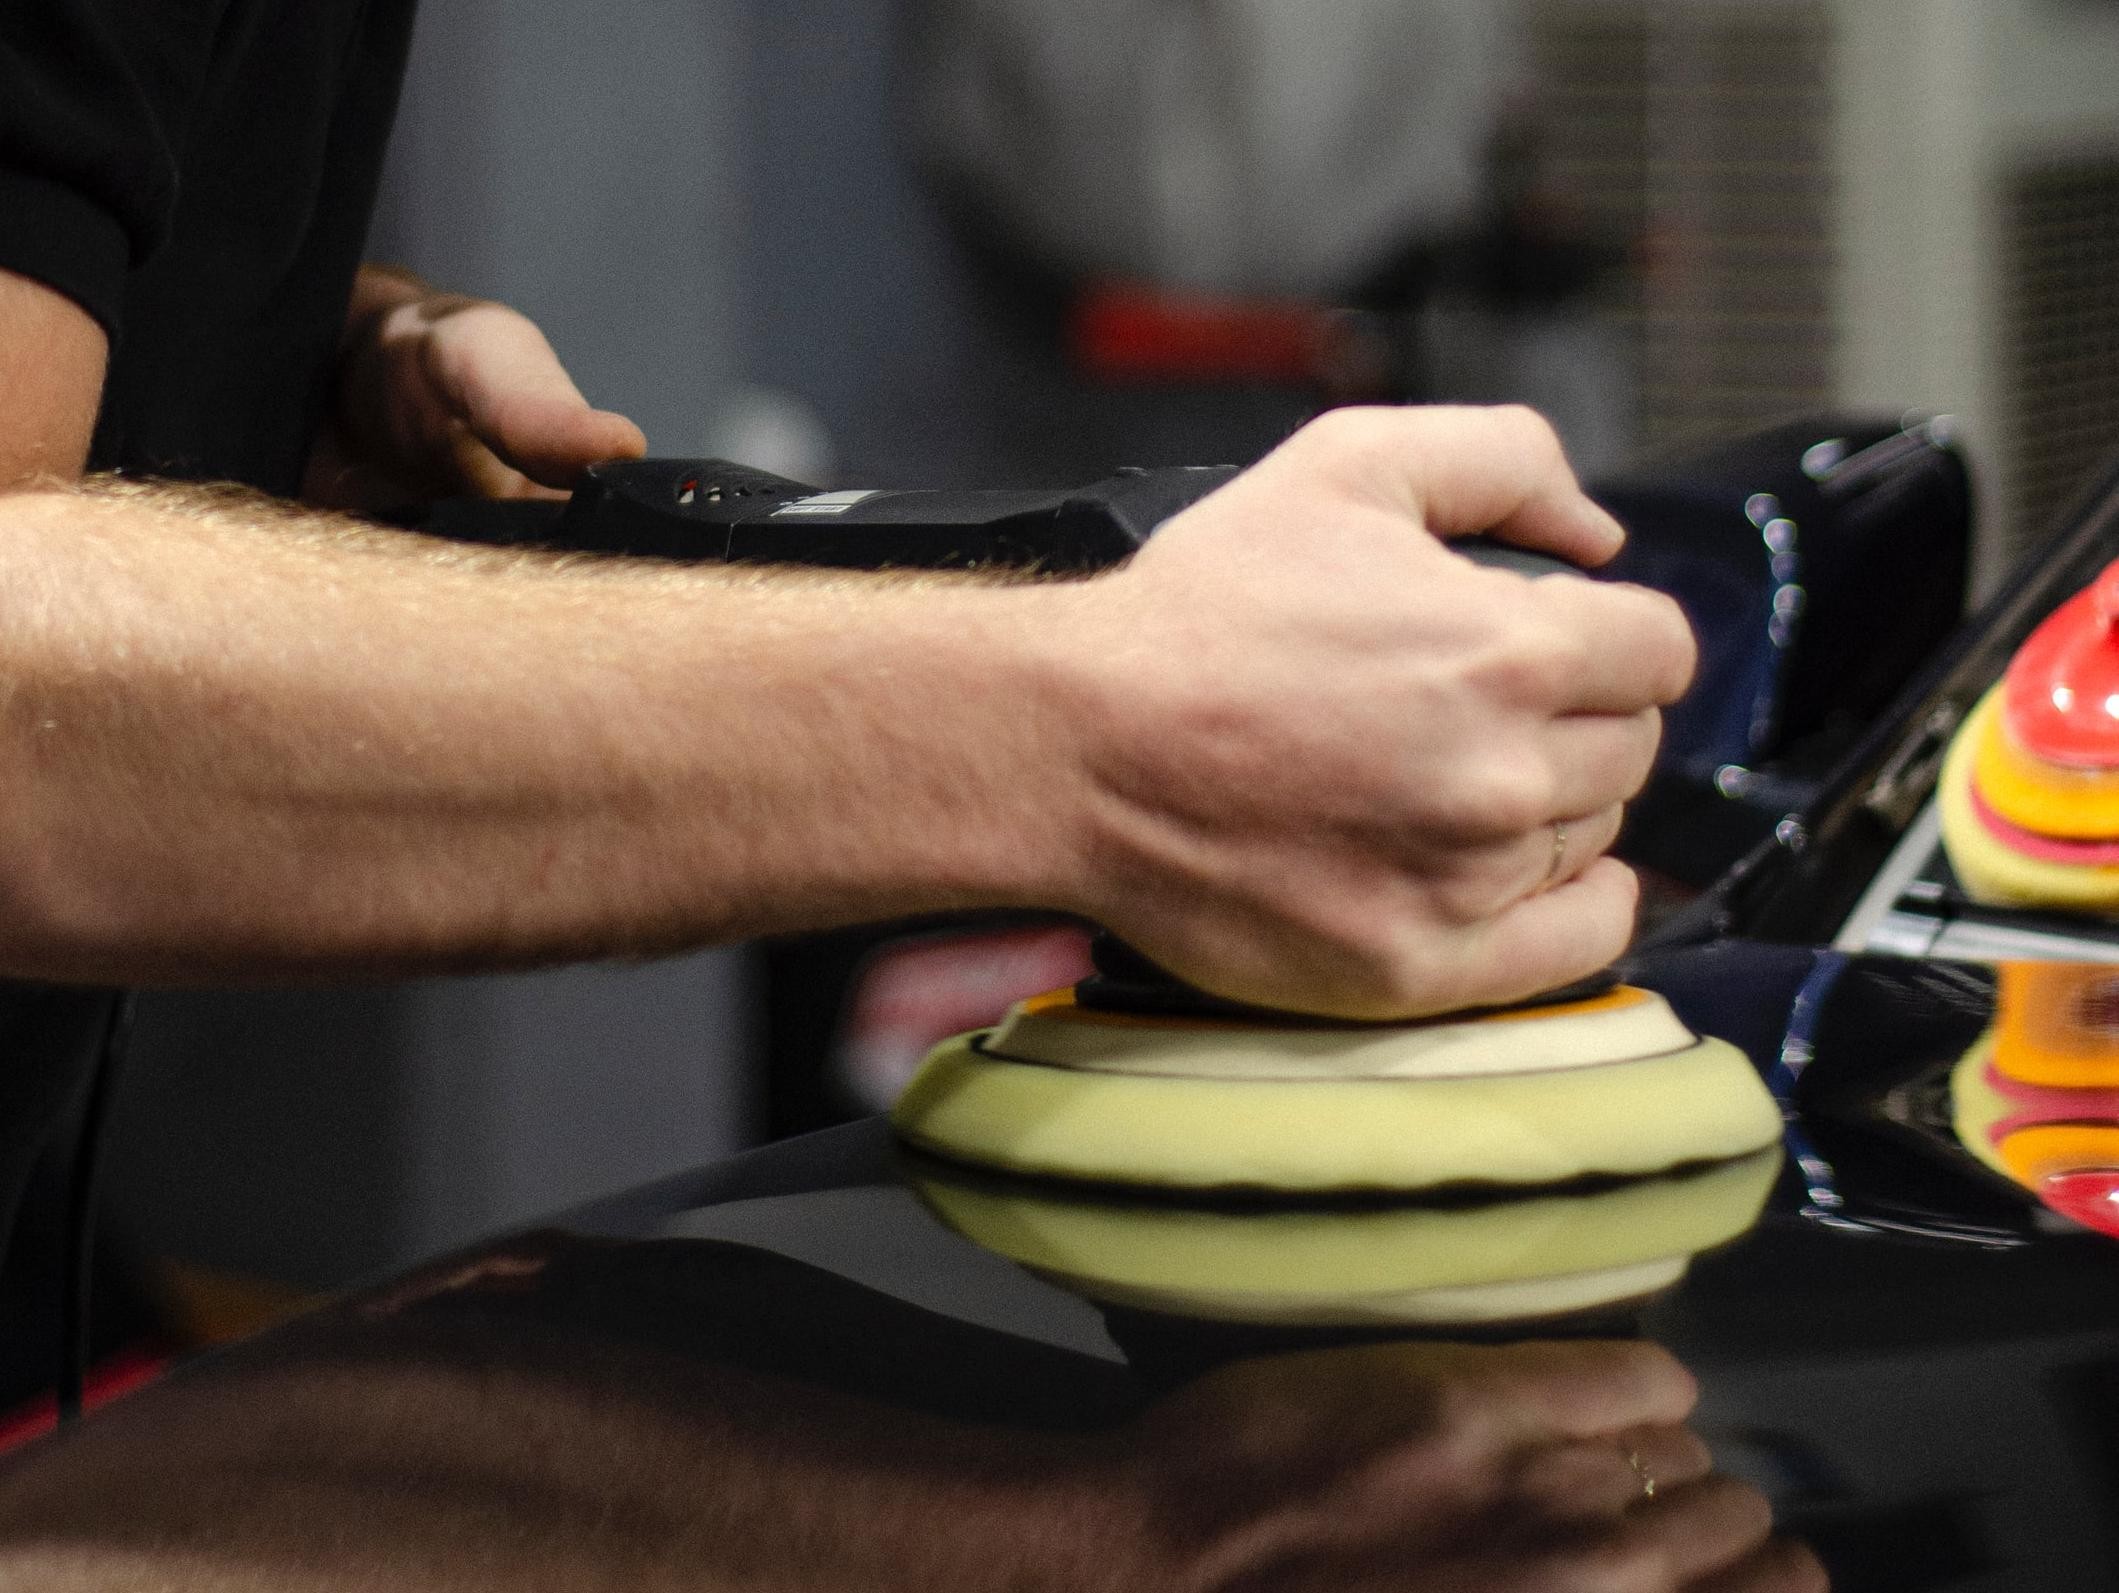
1141, 333
113, 1379
914, 994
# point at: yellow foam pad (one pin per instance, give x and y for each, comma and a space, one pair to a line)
1990, 871
1976, 1106
1703, 1103
1520, 1257
1458, 1305
2052, 799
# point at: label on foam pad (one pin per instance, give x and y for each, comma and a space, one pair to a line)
1622, 1025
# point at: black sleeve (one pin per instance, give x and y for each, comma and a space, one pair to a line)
95, 101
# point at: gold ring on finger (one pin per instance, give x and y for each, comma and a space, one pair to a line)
1559, 853
1641, 1474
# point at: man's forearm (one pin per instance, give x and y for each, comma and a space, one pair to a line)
248, 741
1295, 750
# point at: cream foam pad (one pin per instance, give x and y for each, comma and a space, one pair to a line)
1990, 870
1615, 1026
1447, 1112
1504, 1260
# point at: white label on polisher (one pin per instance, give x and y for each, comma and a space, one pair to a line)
822, 503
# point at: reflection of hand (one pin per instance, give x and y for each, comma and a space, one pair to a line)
1451, 1467
428, 1450
439, 394
1332, 755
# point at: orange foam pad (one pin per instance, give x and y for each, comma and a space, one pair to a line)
2057, 1025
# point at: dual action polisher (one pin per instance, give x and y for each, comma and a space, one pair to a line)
1132, 1079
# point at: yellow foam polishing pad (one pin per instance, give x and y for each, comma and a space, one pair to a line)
1187, 1130
1516, 1258
1615, 1026
1992, 871
1976, 1106
2049, 798
2034, 1133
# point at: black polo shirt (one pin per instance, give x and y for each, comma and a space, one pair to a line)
198, 174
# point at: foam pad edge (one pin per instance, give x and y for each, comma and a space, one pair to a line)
1623, 1119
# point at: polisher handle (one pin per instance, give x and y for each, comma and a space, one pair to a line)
709, 510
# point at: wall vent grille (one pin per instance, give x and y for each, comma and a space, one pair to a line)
2060, 319
1702, 129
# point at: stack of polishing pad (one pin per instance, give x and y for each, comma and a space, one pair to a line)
2037, 1098
1612, 1086
1402, 1264
2030, 789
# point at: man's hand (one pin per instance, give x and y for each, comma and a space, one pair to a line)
442, 395
312, 1467
1339, 768
52, 356
1446, 1466
1297, 751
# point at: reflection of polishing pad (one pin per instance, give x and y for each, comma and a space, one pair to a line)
2037, 1098
2057, 1024
2001, 862
1504, 1260
1612, 1086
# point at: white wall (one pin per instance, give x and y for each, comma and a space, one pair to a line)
1936, 98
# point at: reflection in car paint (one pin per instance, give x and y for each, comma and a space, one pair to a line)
1375, 1263
685, 1415
2037, 1098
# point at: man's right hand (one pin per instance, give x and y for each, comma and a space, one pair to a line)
1297, 750
1336, 767
1468, 1468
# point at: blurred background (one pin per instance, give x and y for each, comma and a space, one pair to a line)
1000, 242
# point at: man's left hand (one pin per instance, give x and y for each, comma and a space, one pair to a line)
440, 395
